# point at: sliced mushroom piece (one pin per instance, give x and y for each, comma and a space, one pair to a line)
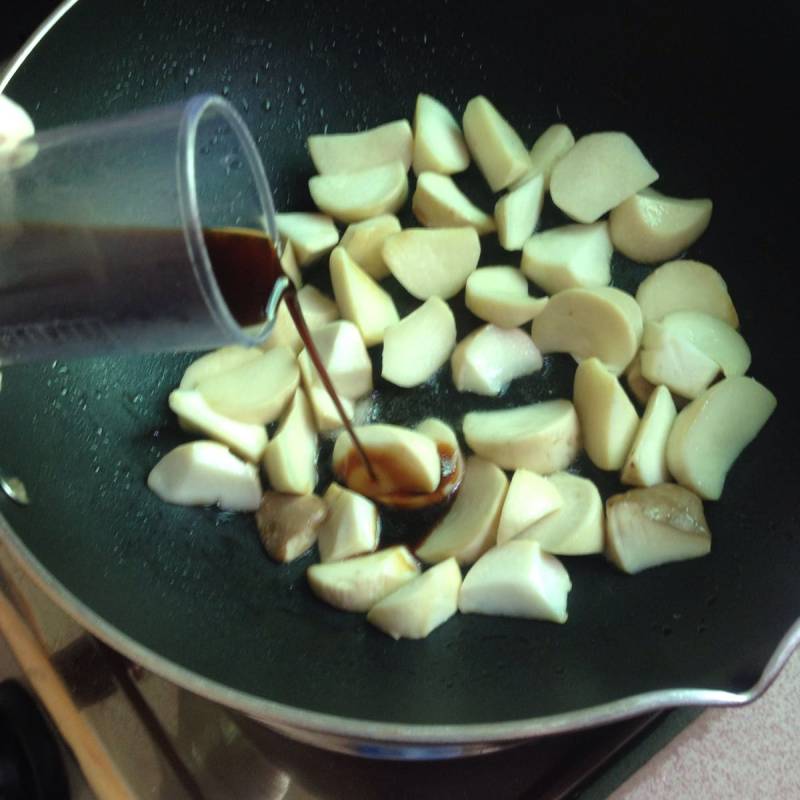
318, 309
432, 262
542, 437
599, 172
335, 153
284, 332
355, 196
603, 322
439, 145
685, 286
439, 203
15, 125
489, 358
469, 528
256, 391
500, 295
530, 497
516, 580
711, 432
326, 415
312, 235
350, 528
421, 605
639, 386
364, 241
517, 213
290, 266
646, 464
357, 584
549, 149
607, 417
360, 299
495, 145
194, 413
569, 257
345, 358
216, 362
204, 474
651, 227
290, 459
288, 523
417, 346
657, 525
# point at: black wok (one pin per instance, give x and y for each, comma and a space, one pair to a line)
189, 593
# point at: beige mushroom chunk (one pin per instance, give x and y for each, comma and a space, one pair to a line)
646, 464
364, 241
256, 391
574, 529
517, 213
517, 579
530, 497
345, 358
335, 153
216, 362
569, 257
290, 266
607, 417
355, 196
439, 145
417, 346
439, 203
603, 322
284, 332
318, 309
653, 526
312, 235
326, 415
639, 386
494, 144
421, 605
432, 262
469, 528
711, 432
245, 440
542, 437
549, 149
357, 584
685, 286
599, 172
290, 459
205, 474
350, 528
360, 299
288, 523
651, 227
489, 358
500, 295
15, 125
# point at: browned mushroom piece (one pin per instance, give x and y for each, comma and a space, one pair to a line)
288, 524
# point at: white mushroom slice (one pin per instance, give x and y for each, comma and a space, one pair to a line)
658, 525
247, 441
335, 153
606, 414
432, 263
326, 415
15, 125
439, 145
345, 358
421, 605
439, 203
718, 340
419, 344
651, 227
311, 235
290, 266
599, 172
489, 358
357, 584
284, 332
646, 464
711, 432
685, 286
530, 497
675, 362
500, 295
350, 529
205, 474
517, 213
360, 299
256, 391
318, 309
569, 257
355, 196
603, 322
549, 149
216, 362
517, 580
542, 437
639, 386
288, 523
469, 528
364, 241
494, 144
441, 433
290, 459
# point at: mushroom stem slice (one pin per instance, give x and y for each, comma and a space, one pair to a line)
439, 203
345, 358
549, 149
439, 145
517, 213
216, 362
639, 386
364, 242
530, 497
500, 295
646, 464
318, 309
312, 235
290, 266
335, 153
326, 415
288, 523
350, 528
